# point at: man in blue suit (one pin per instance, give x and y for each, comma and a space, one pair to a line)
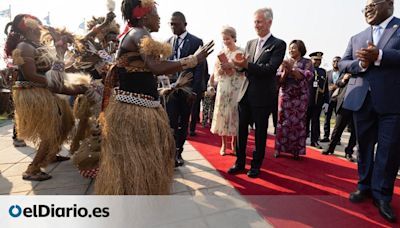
373, 58
180, 103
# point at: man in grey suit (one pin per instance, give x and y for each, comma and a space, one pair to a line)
258, 93
373, 57
344, 117
332, 75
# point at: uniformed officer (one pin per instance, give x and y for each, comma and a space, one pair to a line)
318, 99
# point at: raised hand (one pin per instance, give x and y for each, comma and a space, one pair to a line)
184, 79
109, 18
204, 51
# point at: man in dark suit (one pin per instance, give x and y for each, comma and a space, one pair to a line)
179, 103
344, 117
195, 114
373, 58
256, 98
333, 76
318, 99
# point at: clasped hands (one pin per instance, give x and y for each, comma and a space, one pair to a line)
288, 69
368, 56
240, 61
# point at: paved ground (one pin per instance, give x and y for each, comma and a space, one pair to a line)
197, 178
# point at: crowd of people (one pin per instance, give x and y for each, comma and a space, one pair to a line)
140, 120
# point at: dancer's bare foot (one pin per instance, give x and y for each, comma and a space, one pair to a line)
40, 176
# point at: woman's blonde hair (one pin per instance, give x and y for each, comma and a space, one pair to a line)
229, 31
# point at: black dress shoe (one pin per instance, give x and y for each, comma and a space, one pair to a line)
178, 162
253, 173
327, 152
349, 157
385, 210
178, 158
192, 133
235, 169
359, 196
325, 140
316, 145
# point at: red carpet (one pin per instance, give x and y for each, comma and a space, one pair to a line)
312, 192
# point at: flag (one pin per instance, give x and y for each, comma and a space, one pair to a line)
82, 25
5, 13
47, 19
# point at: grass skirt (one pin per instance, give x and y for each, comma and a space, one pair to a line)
138, 150
42, 116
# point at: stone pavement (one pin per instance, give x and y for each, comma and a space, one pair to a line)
197, 178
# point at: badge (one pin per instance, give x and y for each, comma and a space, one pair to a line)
315, 84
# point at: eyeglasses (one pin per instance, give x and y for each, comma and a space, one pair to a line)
372, 6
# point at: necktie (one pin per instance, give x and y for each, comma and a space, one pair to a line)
176, 47
258, 50
377, 34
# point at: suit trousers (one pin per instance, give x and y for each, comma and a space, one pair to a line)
313, 114
343, 118
178, 109
249, 114
377, 173
195, 115
328, 116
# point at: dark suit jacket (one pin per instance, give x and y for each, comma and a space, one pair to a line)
190, 46
316, 97
383, 81
260, 86
342, 86
330, 83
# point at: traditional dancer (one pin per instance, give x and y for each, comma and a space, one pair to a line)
40, 77
93, 54
138, 147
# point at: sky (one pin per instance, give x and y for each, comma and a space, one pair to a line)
323, 25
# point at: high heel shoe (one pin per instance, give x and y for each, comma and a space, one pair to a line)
222, 152
276, 154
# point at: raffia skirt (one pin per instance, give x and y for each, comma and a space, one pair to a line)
42, 116
138, 150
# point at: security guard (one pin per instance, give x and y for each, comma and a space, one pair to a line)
318, 99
